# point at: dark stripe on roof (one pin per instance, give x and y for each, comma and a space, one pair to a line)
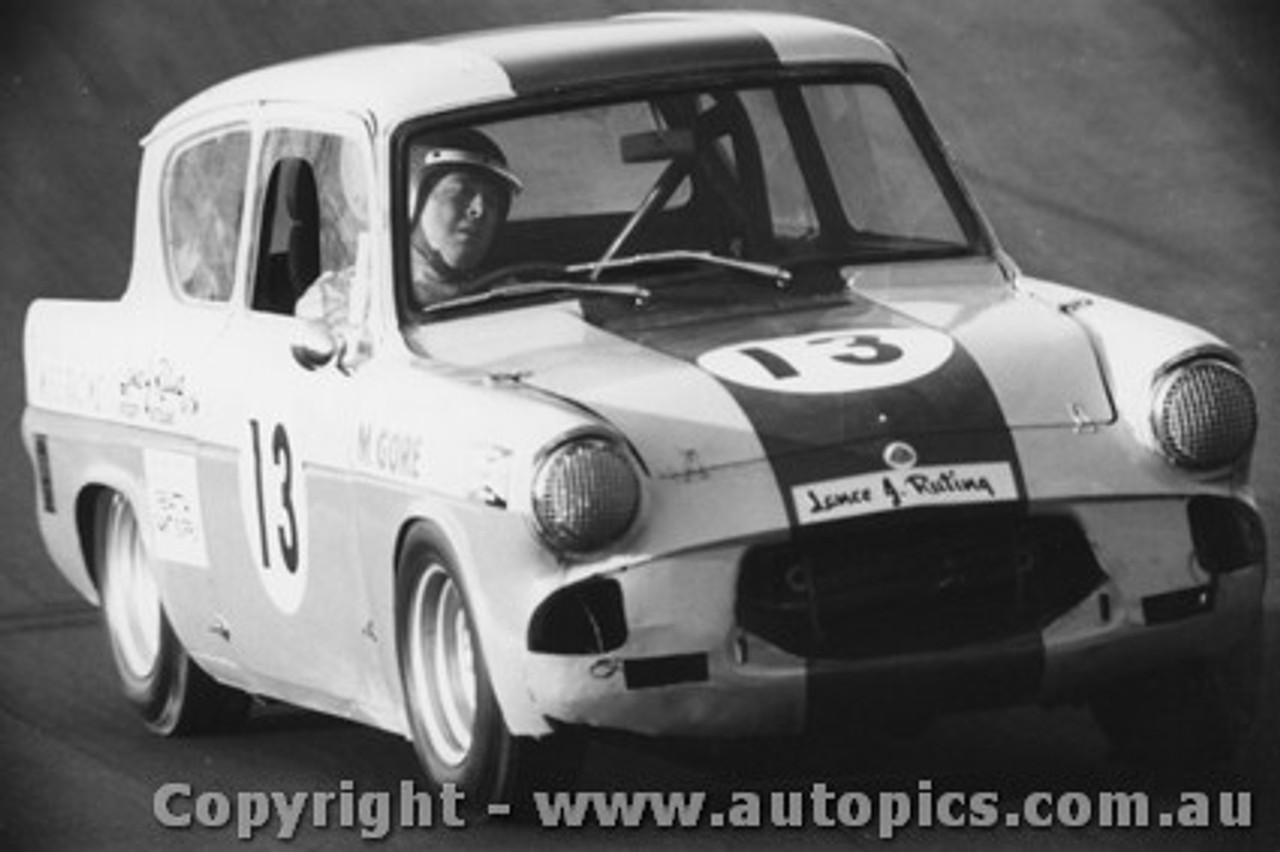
540, 59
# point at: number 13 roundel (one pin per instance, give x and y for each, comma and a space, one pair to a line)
829, 362
273, 494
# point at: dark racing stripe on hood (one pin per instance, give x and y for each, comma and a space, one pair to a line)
858, 408
538, 59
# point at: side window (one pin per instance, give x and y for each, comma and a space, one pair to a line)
313, 208
886, 183
203, 196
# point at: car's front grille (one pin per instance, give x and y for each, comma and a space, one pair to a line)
864, 589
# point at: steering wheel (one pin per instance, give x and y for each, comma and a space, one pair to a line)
518, 272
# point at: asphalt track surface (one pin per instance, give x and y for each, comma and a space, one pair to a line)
1127, 146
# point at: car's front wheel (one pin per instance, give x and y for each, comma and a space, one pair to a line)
458, 729
171, 693
1189, 717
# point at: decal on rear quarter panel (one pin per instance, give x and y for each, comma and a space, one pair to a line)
173, 497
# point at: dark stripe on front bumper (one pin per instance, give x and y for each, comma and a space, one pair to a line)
841, 693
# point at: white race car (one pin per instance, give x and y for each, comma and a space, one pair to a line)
744, 426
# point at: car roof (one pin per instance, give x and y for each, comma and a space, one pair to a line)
390, 83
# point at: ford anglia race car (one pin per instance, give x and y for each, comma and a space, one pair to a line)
745, 426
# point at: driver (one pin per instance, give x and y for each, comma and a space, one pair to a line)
460, 196
460, 193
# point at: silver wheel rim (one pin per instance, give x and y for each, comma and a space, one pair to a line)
442, 664
131, 598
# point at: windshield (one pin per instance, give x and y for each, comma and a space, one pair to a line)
775, 174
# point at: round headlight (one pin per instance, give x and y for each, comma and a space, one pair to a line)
586, 494
1205, 415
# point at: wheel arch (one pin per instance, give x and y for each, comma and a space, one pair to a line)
86, 528
518, 710
88, 496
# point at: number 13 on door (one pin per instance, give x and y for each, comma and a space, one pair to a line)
273, 493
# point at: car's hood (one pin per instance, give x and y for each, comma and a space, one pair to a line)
947, 360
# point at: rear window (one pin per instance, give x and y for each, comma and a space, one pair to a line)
203, 199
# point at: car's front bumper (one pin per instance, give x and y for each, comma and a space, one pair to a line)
692, 661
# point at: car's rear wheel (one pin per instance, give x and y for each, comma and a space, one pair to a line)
458, 729
1189, 717
169, 691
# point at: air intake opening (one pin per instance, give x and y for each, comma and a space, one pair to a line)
585, 618
1227, 534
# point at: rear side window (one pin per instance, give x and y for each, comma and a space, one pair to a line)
203, 198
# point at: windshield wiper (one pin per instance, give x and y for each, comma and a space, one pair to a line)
869, 244
639, 295
776, 273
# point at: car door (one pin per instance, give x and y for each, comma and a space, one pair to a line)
289, 595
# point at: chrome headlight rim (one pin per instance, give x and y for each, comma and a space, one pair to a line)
1170, 445
558, 540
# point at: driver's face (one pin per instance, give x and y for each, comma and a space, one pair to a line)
460, 217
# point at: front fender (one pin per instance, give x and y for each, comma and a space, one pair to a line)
1134, 346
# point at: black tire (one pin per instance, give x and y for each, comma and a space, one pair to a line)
1187, 718
459, 733
170, 692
